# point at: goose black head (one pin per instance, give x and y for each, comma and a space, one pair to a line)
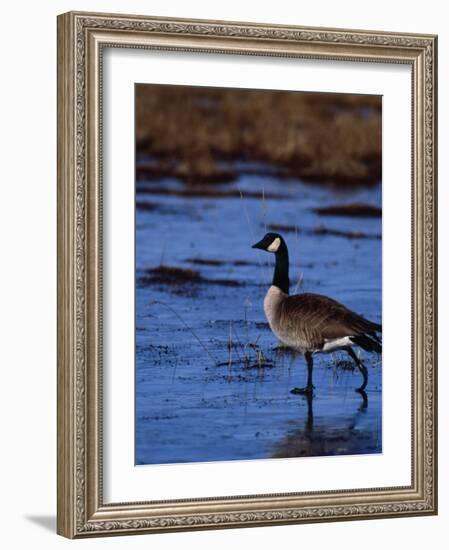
271, 242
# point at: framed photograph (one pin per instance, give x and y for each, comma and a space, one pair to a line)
246, 274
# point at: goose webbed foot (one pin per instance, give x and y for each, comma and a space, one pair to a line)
307, 390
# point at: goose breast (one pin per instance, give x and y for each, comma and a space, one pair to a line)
291, 330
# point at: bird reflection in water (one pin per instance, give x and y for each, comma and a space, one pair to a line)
330, 434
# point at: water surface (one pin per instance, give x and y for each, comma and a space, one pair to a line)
188, 408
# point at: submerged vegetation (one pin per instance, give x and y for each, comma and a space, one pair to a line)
207, 192
354, 210
181, 277
197, 134
320, 230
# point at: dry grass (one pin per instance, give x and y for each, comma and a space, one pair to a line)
195, 133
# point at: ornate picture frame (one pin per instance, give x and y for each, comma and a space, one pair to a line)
82, 38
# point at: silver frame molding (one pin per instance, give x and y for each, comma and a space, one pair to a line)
81, 39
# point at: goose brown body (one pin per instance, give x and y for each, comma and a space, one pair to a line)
312, 322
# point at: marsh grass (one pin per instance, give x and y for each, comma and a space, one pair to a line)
248, 353
353, 210
188, 327
196, 134
182, 278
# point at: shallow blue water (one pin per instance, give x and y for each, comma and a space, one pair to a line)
189, 409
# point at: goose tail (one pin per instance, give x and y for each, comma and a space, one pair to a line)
367, 342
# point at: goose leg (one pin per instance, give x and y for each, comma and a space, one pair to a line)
361, 368
308, 390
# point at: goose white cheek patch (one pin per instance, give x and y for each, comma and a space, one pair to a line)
274, 245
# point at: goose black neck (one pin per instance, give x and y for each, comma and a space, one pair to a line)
280, 278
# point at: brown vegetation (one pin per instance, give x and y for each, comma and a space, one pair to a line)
196, 133
174, 276
321, 231
205, 261
147, 206
354, 210
203, 191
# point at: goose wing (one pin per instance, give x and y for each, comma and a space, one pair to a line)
318, 318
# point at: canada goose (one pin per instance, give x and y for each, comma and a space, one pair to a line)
312, 323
